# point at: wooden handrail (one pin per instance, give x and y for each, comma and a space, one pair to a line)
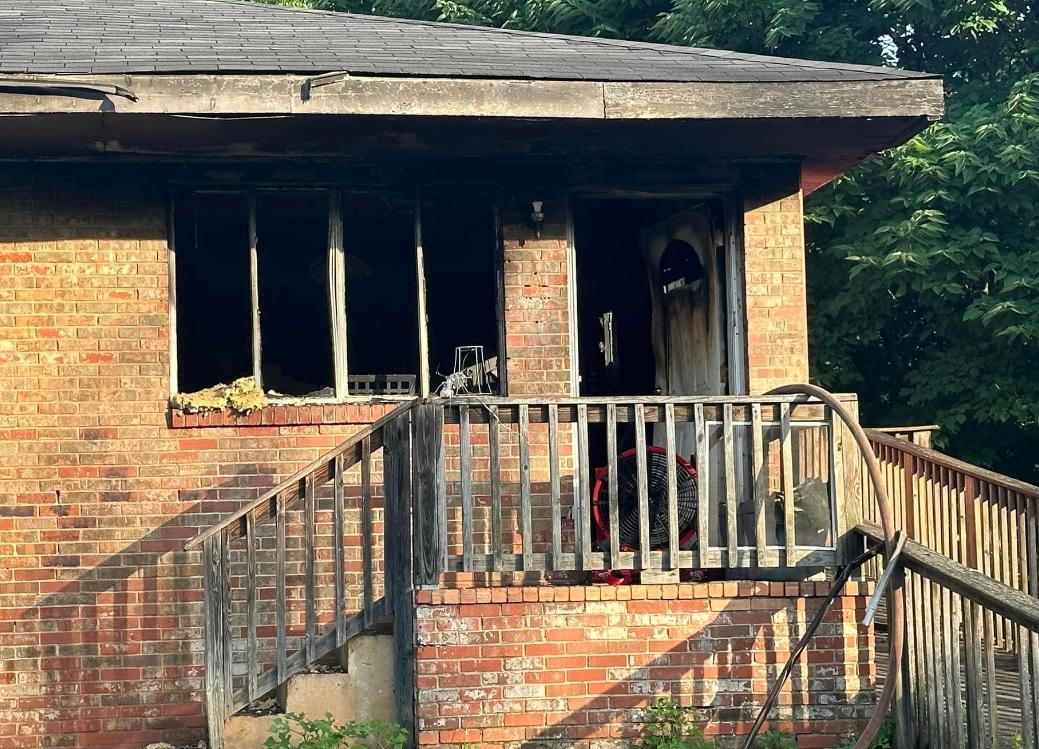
287, 491
946, 461
1013, 604
957, 646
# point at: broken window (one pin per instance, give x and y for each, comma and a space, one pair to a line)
211, 232
317, 293
295, 327
459, 239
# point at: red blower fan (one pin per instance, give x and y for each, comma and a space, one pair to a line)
628, 505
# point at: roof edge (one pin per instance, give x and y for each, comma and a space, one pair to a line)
220, 95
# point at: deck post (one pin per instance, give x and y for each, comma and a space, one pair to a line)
400, 591
430, 502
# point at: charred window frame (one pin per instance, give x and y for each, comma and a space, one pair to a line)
222, 239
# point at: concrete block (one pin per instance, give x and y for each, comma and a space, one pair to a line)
247, 731
365, 692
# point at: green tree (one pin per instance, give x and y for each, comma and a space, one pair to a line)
922, 263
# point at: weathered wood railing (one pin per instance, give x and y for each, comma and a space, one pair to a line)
919, 435
515, 483
958, 690
238, 541
977, 517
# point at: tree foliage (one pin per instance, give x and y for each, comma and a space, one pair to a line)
923, 263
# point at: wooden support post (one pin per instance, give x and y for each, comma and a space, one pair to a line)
254, 293
397, 483
428, 452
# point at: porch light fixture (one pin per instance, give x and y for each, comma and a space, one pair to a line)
537, 216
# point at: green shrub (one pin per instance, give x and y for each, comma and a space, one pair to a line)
668, 727
775, 739
885, 738
296, 731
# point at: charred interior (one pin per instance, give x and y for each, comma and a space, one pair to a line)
417, 284
651, 289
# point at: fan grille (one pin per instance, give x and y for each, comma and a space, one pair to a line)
627, 500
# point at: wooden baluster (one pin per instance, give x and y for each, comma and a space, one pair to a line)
972, 671
672, 487
338, 530
759, 482
731, 533
494, 445
1027, 679
582, 518
218, 642
367, 534
787, 461
613, 486
526, 524
1032, 521
646, 555
703, 485
555, 500
841, 516
252, 658
280, 583
920, 642
991, 697
465, 456
309, 496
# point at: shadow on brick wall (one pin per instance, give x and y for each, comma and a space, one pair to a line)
721, 674
113, 647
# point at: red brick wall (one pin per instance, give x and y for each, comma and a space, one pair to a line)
577, 666
99, 622
777, 321
536, 299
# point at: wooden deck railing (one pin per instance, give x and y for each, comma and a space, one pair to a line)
238, 538
506, 485
524, 501
982, 519
958, 690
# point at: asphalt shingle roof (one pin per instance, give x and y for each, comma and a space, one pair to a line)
225, 36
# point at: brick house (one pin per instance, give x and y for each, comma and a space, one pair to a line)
511, 300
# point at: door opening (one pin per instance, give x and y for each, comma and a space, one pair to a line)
652, 295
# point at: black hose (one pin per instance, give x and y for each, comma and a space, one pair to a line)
813, 627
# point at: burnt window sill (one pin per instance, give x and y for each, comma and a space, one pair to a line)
284, 414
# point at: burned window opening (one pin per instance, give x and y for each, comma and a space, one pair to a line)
460, 250
320, 294
381, 288
211, 234
295, 325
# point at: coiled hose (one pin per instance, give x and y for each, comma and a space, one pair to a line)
896, 596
